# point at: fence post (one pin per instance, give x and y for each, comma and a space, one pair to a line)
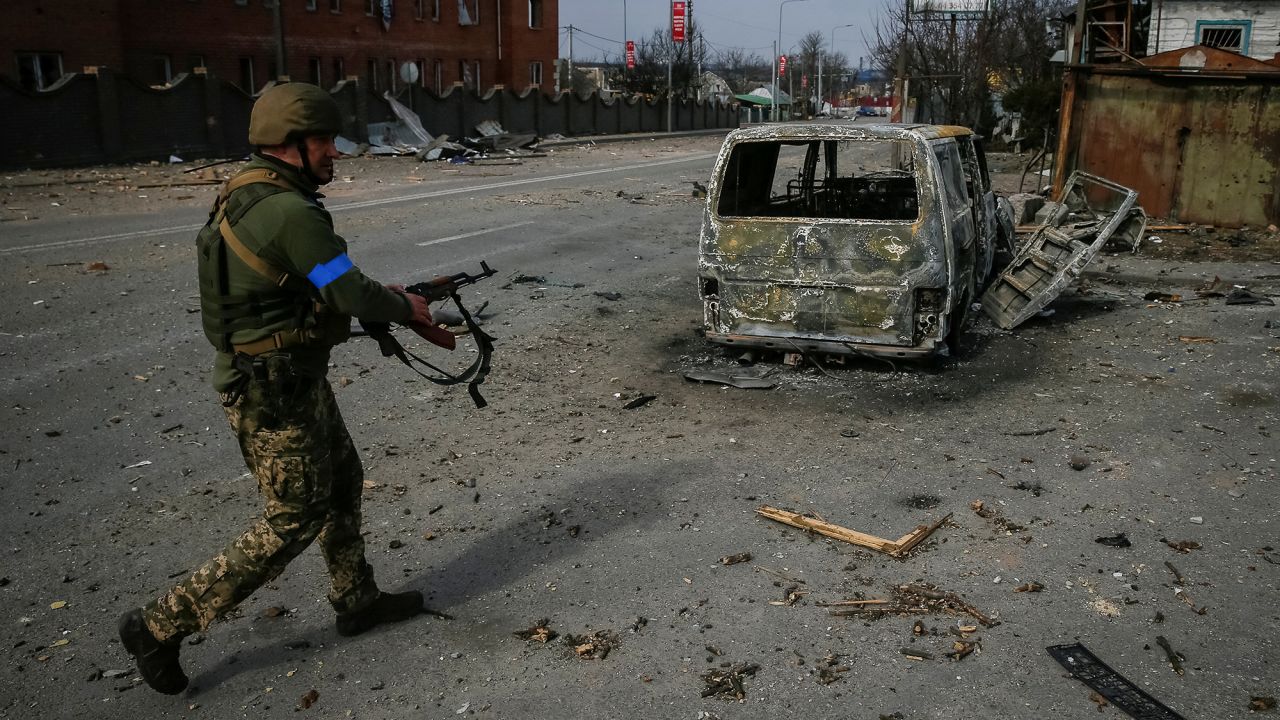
361, 107
215, 134
108, 113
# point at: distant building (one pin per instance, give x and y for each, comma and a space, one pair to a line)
1249, 28
478, 43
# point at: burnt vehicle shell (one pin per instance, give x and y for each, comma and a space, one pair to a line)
840, 261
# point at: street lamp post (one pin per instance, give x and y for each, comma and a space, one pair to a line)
775, 56
831, 48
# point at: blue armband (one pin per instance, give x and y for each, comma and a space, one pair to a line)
325, 273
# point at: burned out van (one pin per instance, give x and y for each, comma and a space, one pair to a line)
848, 239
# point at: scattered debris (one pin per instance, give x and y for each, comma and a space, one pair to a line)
898, 548
540, 632
790, 596
308, 700
1080, 462
996, 517
1031, 433
1117, 540
1177, 576
1155, 296
1196, 520
1088, 669
97, 266
830, 669
1197, 339
1242, 296
1186, 599
913, 600
1182, 546
594, 646
1175, 658
914, 654
742, 381
735, 559
611, 296
639, 402
1029, 587
275, 612
961, 649
1214, 288
1261, 703
1098, 700
729, 682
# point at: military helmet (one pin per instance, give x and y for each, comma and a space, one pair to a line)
290, 112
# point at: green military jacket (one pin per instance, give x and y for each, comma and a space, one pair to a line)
292, 231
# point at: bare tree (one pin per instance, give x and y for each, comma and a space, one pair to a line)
956, 67
649, 76
743, 71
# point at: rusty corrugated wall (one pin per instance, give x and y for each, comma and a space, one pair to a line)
1198, 147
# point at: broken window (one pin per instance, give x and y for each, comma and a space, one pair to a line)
339, 69
419, 9
535, 13
468, 12
372, 72
369, 7
335, 6
1233, 36
317, 76
37, 71
951, 177
826, 179
535, 74
311, 5
435, 9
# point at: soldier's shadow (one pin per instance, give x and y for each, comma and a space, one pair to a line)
600, 504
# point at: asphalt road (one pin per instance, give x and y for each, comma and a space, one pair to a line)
118, 476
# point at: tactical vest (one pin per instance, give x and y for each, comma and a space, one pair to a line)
290, 308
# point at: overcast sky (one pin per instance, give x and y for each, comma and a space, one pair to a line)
748, 24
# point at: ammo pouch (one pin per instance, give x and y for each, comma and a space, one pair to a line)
273, 374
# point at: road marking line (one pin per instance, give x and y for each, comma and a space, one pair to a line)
474, 234
359, 205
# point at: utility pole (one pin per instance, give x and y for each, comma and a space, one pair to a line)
569, 80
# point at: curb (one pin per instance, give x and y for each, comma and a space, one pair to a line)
602, 139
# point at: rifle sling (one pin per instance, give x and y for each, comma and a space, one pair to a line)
474, 375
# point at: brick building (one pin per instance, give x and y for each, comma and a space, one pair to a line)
478, 43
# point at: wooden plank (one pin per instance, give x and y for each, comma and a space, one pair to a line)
917, 536
830, 530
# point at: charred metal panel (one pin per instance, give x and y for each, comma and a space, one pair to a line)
828, 284
1092, 211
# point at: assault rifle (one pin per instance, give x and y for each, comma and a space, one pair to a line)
444, 287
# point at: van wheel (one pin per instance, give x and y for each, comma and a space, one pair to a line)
958, 322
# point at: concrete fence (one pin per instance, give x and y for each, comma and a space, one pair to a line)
104, 117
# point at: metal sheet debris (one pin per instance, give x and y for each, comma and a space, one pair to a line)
1092, 211
1088, 669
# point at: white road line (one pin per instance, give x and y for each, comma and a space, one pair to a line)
359, 205
473, 234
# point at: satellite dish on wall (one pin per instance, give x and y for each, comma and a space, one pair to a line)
409, 73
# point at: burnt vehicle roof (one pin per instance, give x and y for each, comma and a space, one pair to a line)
850, 131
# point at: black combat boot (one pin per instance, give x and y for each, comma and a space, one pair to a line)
157, 661
388, 607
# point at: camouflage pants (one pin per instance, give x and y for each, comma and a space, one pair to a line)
295, 442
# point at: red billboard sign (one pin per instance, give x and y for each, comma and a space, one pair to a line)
631, 54
782, 65
678, 8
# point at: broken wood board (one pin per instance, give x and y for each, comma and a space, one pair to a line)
895, 548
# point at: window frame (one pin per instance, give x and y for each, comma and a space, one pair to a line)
536, 8
535, 74
1245, 27
37, 65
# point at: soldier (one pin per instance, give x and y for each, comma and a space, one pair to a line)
277, 292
